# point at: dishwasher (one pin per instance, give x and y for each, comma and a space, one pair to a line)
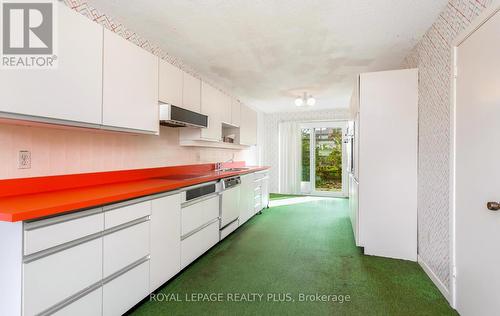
229, 205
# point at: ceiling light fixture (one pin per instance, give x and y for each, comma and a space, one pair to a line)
305, 100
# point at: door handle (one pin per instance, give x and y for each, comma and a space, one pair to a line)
493, 206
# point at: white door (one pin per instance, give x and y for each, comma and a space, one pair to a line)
324, 158
477, 181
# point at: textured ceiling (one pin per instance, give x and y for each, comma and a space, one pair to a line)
268, 52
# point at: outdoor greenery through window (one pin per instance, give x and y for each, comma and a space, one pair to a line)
326, 159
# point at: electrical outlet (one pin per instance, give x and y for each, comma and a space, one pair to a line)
24, 159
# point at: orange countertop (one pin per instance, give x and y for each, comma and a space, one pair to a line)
75, 192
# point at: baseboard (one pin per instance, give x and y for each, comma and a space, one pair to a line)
442, 288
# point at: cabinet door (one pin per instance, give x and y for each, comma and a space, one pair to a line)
170, 84
248, 126
90, 304
225, 108
130, 85
197, 244
199, 213
124, 247
122, 293
73, 90
210, 106
235, 112
52, 279
191, 94
247, 197
165, 240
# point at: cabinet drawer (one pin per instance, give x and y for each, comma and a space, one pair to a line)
125, 247
197, 244
198, 214
52, 279
122, 293
48, 233
120, 215
90, 304
228, 229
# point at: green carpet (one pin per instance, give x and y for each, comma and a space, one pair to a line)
298, 249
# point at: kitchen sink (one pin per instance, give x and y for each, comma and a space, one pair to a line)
234, 169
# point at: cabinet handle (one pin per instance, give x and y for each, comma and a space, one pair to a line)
493, 206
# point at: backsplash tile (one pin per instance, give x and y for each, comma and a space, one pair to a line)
56, 151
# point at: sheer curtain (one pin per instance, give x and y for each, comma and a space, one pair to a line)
289, 158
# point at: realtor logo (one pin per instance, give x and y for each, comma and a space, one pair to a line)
28, 34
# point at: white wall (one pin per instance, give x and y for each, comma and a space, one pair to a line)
270, 141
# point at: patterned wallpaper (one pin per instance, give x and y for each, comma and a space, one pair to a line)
270, 148
433, 58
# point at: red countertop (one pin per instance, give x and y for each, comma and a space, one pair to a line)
32, 198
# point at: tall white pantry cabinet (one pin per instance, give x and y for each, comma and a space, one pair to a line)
385, 215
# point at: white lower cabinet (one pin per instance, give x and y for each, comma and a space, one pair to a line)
106, 260
125, 247
197, 244
228, 229
247, 198
88, 305
52, 232
165, 239
265, 191
52, 279
199, 213
125, 291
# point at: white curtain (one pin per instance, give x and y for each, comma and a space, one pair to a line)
289, 158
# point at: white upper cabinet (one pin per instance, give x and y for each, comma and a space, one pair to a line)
210, 105
235, 112
130, 86
191, 93
248, 126
226, 105
73, 90
170, 84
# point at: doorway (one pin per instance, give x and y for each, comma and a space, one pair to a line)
323, 159
475, 221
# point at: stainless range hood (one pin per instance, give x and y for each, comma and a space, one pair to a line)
174, 116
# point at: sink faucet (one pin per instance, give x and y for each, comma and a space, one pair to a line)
218, 165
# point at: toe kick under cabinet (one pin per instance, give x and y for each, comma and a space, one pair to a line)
101, 261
